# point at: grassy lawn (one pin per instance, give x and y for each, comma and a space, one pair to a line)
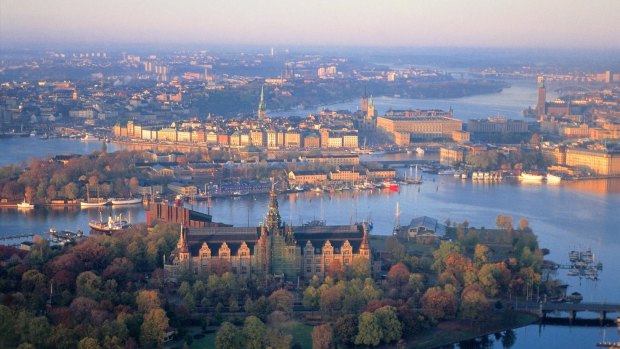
207, 342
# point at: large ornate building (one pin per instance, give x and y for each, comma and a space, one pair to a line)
273, 250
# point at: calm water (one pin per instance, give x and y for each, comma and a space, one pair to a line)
18, 149
509, 103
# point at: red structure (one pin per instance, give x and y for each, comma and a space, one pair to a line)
181, 215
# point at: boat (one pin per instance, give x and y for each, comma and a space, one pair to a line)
122, 201
390, 185
33, 134
419, 151
449, 172
93, 202
112, 225
553, 179
25, 205
530, 177
415, 179
89, 138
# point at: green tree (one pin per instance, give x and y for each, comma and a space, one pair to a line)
311, 298
254, 331
346, 329
369, 330
474, 304
391, 327
227, 337
7, 332
322, 337
88, 343
88, 284
359, 268
153, 328
441, 254
71, 190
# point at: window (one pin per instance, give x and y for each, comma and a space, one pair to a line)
318, 269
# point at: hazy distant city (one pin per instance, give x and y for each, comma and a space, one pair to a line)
309, 175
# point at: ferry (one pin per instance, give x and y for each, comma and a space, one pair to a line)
122, 201
390, 185
530, 177
553, 179
25, 205
112, 225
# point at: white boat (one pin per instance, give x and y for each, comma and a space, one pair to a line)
89, 138
530, 177
122, 201
446, 172
94, 202
419, 151
553, 179
25, 205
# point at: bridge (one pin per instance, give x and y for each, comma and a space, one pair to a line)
572, 309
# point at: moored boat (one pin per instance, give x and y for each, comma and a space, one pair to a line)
123, 201
530, 177
112, 225
94, 202
553, 179
25, 205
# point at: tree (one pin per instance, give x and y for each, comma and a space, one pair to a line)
322, 337
153, 328
88, 284
524, 224
391, 328
311, 298
359, 268
71, 190
147, 300
282, 300
504, 222
369, 330
88, 343
481, 254
346, 329
474, 304
330, 300
398, 275
227, 337
7, 332
254, 331
438, 304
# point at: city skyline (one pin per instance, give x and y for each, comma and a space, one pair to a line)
448, 23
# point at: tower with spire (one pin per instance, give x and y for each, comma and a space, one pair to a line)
262, 107
183, 248
274, 221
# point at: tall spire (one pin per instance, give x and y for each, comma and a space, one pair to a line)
274, 220
262, 107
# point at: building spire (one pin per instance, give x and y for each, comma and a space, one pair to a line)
262, 107
274, 221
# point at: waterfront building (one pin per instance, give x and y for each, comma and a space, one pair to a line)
306, 177
274, 250
498, 125
183, 189
344, 159
420, 124
600, 162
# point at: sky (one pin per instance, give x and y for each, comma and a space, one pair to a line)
408, 23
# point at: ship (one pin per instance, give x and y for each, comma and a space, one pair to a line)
25, 205
112, 225
93, 202
530, 177
128, 201
553, 179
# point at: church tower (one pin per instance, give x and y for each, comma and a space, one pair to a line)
183, 248
262, 107
541, 106
274, 221
364, 102
370, 115
365, 246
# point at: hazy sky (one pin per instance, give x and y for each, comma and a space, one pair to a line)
481, 23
